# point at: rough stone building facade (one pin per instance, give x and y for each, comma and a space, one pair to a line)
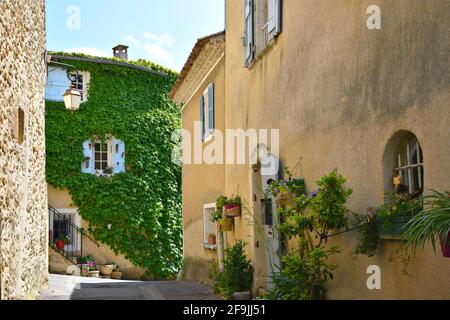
23, 189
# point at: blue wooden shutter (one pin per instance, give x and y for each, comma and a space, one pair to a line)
211, 108
202, 116
88, 164
119, 156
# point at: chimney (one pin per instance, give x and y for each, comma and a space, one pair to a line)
121, 52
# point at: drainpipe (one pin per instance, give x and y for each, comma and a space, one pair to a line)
220, 249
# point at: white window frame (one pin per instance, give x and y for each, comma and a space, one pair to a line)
407, 169
109, 156
85, 76
208, 225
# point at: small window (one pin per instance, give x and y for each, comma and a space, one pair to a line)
207, 112
80, 82
20, 126
409, 173
103, 157
209, 227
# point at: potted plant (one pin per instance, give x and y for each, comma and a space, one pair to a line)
236, 280
392, 217
431, 225
232, 207
285, 191
212, 239
61, 242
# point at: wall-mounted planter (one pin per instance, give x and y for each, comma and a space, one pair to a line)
392, 228
446, 247
226, 225
232, 210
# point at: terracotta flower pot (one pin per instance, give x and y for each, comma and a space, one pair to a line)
226, 224
232, 210
212, 239
116, 275
445, 244
60, 244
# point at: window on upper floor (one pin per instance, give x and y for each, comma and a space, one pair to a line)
262, 20
80, 82
103, 157
207, 112
58, 82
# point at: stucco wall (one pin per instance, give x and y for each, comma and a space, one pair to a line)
338, 92
23, 189
201, 184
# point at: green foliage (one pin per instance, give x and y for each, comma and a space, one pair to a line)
308, 220
221, 202
397, 206
328, 204
368, 238
143, 205
237, 275
291, 185
432, 224
304, 277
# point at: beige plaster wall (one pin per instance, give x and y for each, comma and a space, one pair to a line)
23, 189
201, 184
338, 92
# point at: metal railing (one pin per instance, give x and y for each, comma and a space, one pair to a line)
66, 237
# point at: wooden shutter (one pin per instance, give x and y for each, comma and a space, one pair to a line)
211, 108
202, 117
119, 156
249, 32
274, 18
88, 164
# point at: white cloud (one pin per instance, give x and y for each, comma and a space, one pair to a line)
159, 55
164, 39
88, 51
155, 46
133, 41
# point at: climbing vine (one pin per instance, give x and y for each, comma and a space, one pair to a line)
137, 213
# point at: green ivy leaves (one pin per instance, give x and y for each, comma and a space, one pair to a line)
143, 206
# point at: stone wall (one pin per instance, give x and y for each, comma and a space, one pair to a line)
23, 190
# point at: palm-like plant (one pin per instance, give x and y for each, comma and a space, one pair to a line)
432, 224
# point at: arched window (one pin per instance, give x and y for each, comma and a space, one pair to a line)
405, 158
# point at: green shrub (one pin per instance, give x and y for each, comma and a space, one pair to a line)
237, 275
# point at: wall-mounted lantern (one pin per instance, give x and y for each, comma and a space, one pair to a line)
72, 99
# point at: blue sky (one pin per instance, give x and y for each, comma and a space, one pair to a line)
163, 31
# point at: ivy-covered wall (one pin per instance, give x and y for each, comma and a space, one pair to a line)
143, 205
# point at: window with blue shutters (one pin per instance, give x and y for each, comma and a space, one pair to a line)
103, 157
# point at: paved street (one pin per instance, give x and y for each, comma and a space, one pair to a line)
79, 288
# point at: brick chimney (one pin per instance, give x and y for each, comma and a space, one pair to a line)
121, 52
